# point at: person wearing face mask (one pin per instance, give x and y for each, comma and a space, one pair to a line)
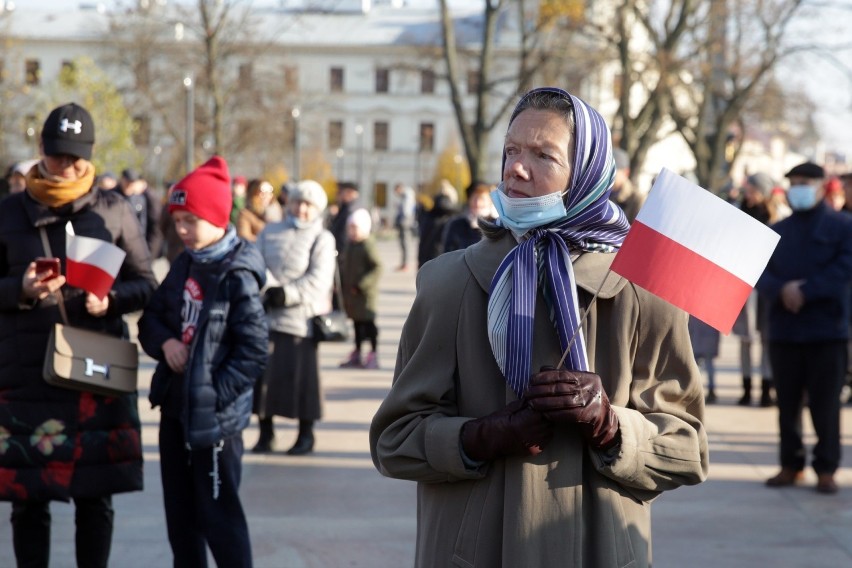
300, 256
808, 282
519, 463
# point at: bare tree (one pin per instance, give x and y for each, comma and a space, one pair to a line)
502, 62
746, 43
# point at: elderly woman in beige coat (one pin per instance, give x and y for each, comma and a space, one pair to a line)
519, 463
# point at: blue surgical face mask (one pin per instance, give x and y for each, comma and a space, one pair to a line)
520, 214
801, 197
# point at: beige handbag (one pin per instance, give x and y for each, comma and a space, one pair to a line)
85, 360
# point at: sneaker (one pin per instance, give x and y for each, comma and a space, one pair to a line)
372, 361
353, 361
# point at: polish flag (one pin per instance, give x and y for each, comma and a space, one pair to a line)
695, 251
91, 264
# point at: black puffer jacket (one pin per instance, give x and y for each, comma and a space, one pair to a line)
228, 351
57, 443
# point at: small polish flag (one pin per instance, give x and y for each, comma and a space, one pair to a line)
91, 264
695, 251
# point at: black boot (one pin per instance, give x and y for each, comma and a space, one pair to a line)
745, 400
266, 440
766, 393
305, 441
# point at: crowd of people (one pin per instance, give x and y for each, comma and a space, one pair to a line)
500, 439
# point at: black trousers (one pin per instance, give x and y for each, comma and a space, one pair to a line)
93, 518
366, 330
814, 372
202, 502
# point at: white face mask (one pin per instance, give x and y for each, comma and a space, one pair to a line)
801, 197
520, 214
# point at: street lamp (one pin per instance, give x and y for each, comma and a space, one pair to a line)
190, 122
296, 113
359, 132
340, 152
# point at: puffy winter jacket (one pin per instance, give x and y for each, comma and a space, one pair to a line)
228, 351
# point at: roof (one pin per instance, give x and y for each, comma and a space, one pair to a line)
380, 25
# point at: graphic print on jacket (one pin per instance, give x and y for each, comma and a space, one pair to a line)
193, 297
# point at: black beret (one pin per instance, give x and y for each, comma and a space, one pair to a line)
807, 170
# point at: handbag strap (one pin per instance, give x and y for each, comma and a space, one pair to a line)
60, 300
338, 286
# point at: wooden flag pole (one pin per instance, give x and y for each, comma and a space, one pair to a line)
582, 320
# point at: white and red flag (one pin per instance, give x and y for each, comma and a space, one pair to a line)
91, 264
695, 251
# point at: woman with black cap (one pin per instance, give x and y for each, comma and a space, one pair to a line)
58, 444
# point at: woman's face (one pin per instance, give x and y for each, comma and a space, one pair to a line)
539, 148
303, 210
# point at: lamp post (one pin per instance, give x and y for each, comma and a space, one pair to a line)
296, 113
359, 132
190, 122
340, 153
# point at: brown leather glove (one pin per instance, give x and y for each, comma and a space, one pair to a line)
512, 430
575, 397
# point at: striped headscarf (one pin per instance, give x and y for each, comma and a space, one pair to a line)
592, 223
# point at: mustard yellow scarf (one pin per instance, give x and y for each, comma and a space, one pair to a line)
55, 191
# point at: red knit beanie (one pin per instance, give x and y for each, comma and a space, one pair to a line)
205, 192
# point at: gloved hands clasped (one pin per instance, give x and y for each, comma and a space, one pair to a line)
273, 298
515, 429
575, 397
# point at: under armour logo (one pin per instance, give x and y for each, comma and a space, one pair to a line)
76, 126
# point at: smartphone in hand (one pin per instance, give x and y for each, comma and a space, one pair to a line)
48, 267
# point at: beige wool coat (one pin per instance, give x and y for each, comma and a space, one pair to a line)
569, 506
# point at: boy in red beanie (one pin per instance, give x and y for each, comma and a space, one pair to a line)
205, 326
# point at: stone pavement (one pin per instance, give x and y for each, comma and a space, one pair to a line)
332, 509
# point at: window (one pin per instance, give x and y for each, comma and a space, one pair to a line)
382, 80
380, 136
427, 81
291, 79
245, 75
427, 136
33, 72
472, 82
380, 191
335, 134
336, 79
141, 130
67, 66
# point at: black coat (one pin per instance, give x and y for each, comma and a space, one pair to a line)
88, 445
228, 351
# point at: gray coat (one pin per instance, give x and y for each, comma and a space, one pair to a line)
302, 261
567, 506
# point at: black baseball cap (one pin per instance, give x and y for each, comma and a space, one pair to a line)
69, 129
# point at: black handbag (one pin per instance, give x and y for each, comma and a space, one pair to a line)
333, 326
